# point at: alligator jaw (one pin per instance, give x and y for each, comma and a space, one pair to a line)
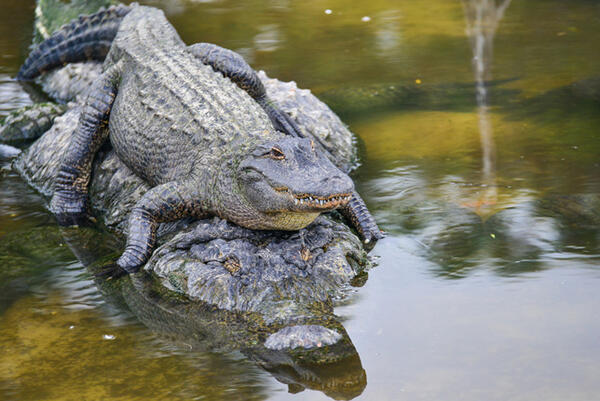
308, 202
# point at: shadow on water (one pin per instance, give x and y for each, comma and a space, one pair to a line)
335, 370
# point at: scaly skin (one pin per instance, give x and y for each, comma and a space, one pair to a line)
203, 144
86, 38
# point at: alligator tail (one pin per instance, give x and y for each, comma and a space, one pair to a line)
86, 38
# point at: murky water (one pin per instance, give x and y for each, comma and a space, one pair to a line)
485, 173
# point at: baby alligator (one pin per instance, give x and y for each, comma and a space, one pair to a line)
177, 119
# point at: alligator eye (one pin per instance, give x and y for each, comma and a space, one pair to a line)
276, 153
312, 145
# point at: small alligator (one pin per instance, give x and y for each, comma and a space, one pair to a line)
204, 145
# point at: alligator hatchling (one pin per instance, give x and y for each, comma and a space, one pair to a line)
195, 123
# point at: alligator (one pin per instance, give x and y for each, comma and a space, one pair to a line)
193, 124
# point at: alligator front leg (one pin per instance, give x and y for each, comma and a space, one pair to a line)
166, 202
69, 202
234, 67
356, 211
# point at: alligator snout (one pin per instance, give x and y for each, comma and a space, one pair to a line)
337, 183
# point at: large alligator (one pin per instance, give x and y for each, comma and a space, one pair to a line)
205, 146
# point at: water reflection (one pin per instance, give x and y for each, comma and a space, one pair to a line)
268, 38
482, 18
335, 370
388, 34
518, 236
12, 95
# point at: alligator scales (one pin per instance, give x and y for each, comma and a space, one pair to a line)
195, 123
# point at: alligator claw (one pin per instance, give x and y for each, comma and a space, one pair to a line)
110, 271
372, 235
124, 266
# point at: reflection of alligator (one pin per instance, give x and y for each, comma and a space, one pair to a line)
204, 145
334, 368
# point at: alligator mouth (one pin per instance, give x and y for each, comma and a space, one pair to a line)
309, 201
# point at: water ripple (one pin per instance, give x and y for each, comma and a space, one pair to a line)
12, 95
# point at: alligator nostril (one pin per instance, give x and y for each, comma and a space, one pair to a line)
333, 179
339, 182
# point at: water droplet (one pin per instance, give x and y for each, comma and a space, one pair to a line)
71, 327
328, 11
366, 18
108, 337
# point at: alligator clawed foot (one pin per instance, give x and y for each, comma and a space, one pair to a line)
373, 236
70, 209
125, 265
129, 263
111, 271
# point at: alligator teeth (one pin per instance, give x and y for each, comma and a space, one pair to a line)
332, 201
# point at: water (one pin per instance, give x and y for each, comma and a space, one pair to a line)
486, 286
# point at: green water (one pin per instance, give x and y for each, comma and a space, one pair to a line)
487, 283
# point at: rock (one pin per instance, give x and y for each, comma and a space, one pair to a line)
244, 284
29, 123
307, 336
8, 152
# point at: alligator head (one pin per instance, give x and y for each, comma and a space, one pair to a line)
288, 183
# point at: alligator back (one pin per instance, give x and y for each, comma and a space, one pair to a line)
173, 114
